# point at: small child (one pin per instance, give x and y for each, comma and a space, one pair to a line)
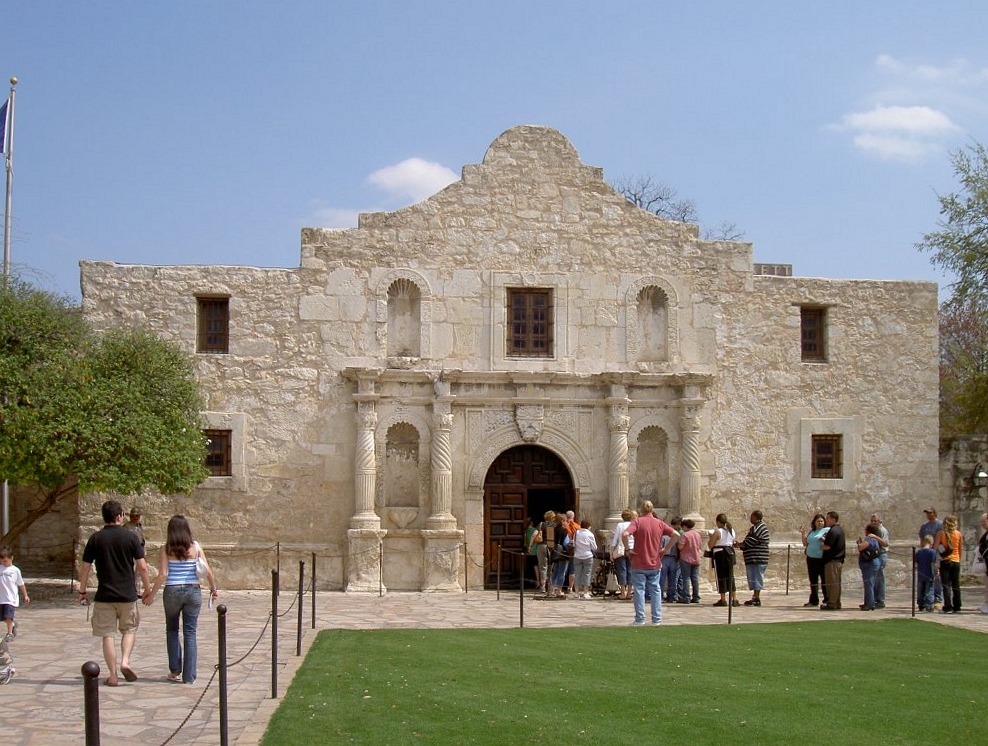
10, 582
925, 568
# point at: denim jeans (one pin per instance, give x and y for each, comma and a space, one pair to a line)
883, 560
183, 601
756, 576
869, 571
691, 581
670, 578
653, 579
924, 593
622, 568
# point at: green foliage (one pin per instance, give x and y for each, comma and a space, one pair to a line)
963, 368
961, 244
810, 683
117, 411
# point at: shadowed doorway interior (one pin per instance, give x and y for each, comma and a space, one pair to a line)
524, 481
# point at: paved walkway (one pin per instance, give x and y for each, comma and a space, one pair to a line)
43, 705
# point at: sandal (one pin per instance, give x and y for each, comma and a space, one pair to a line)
111, 682
175, 676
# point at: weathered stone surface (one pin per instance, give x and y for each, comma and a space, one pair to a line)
717, 380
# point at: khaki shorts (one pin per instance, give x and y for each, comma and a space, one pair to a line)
109, 617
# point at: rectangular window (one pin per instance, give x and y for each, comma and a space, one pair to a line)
827, 455
218, 450
530, 319
213, 325
812, 323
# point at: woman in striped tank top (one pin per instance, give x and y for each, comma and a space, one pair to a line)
182, 598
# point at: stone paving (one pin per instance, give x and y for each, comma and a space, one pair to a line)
43, 704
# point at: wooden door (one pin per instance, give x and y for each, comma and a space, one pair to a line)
524, 481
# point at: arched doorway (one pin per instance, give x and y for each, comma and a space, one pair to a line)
524, 481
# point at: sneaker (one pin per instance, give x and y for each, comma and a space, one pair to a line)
753, 602
879, 605
13, 632
720, 603
809, 605
866, 608
696, 601
937, 605
637, 624
656, 624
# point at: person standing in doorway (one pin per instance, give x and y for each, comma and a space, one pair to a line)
755, 550
834, 551
646, 561
882, 537
931, 527
115, 552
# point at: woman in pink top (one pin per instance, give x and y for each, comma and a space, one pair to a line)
689, 562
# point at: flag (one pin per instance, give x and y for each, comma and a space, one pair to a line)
3, 127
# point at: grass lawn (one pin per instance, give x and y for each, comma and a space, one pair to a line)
894, 681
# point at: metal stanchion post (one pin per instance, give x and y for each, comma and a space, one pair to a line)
90, 678
912, 582
221, 656
498, 571
313, 590
274, 634
788, 565
521, 595
466, 577
380, 569
301, 599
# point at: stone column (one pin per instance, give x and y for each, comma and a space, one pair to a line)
365, 469
689, 479
617, 457
365, 536
441, 541
441, 518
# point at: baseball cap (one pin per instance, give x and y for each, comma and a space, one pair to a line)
930, 509
135, 512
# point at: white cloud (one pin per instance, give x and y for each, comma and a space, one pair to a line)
415, 178
325, 216
412, 180
959, 73
898, 133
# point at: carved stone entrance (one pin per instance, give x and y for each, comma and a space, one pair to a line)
524, 481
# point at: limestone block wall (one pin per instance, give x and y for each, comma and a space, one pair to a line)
723, 342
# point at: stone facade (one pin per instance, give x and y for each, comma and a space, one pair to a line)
382, 418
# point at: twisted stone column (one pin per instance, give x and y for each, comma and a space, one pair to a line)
689, 490
442, 471
617, 463
365, 469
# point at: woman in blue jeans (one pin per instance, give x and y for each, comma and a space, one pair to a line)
182, 598
868, 562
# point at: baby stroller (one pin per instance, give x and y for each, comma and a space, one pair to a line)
6, 662
604, 569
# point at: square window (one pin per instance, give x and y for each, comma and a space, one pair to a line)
827, 457
213, 334
530, 322
218, 450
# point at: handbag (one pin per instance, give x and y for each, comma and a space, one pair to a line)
708, 553
978, 566
202, 567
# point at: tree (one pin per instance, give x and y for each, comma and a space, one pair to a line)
963, 368
661, 199
961, 244
116, 412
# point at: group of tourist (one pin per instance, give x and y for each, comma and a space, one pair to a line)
655, 561
562, 552
117, 552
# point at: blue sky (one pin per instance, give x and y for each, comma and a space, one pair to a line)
211, 133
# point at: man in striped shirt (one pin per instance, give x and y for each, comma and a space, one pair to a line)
755, 548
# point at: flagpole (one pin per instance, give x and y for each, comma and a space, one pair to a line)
8, 152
